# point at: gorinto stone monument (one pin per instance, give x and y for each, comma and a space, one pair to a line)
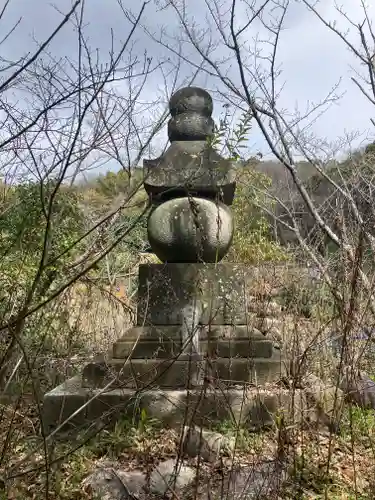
192, 351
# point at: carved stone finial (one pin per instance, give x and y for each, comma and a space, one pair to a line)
191, 110
191, 186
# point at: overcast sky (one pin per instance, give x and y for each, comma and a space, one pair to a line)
313, 59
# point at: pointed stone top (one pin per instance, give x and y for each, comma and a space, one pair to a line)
191, 110
192, 99
190, 164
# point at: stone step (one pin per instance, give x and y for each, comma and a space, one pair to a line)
171, 348
173, 332
267, 324
140, 373
255, 407
264, 308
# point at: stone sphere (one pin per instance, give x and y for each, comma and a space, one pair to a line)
190, 230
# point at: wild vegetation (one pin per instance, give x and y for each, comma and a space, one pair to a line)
73, 230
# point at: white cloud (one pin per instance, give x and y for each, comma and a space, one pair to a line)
313, 58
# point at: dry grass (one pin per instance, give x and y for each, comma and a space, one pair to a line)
91, 319
97, 316
320, 466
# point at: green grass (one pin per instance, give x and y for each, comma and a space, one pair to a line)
358, 421
245, 439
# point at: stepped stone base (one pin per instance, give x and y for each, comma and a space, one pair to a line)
151, 364
152, 349
163, 333
151, 356
140, 373
256, 407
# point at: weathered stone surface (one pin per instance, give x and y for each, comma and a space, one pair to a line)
189, 187
164, 333
112, 483
179, 172
190, 165
193, 99
66, 401
254, 407
358, 387
165, 288
327, 401
150, 349
191, 126
190, 230
265, 308
171, 476
139, 373
262, 480
191, 109
261, 408
207, 444
267, 325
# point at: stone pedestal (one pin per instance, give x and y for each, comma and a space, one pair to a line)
192, 332
153, 355
216, 291
182, 302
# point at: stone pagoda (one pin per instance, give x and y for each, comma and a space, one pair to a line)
192, 354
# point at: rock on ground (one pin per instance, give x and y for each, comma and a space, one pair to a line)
110, 483
327, 399
208, 444
359, 388
248, 483
171, 476
242, 483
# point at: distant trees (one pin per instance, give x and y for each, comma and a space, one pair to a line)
22, 226
370, 148
352, 175
37, 240
60, 119
254, 239
113, 184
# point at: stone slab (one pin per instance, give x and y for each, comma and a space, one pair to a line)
256, 407
151, 349
136, 373
164, 291
163, 333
